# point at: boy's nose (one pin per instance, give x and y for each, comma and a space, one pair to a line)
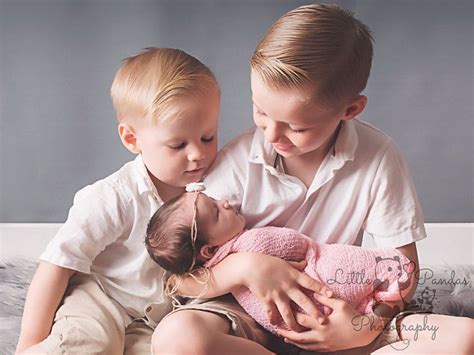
272, 132
196, 154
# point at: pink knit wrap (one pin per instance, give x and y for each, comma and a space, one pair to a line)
350, 271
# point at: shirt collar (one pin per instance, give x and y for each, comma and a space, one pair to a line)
346, 144
261, 153
346, 141
144, 183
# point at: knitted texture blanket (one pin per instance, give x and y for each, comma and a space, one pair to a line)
361, 277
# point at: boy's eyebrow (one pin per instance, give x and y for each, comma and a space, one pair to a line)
253, 101
173, 139
184, 138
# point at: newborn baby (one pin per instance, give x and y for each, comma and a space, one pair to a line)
193, 230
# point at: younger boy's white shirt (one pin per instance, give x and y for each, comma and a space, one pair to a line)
104, 236
363, 184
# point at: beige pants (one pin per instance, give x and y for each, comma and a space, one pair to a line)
89, 322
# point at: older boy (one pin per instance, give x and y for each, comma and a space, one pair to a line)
311, 166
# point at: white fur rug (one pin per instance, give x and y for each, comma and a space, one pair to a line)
442, 289
15, 277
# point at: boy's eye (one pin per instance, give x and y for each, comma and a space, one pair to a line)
177, 146
258, 112
294, 130
207, 139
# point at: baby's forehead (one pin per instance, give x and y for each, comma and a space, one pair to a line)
204, 205
205, 200
200, 199
188, 200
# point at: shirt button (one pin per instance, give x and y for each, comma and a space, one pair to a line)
255, 156
149, 309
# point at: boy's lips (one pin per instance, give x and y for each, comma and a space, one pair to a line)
195, 171
282, 147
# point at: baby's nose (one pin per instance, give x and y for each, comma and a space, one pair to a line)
227, 205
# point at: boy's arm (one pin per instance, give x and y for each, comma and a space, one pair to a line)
411, 253
395, 216
44, 295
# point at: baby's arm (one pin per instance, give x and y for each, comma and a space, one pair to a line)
241, 255
272, 280
44, 295
225, 277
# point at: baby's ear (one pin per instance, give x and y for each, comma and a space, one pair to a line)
207, 251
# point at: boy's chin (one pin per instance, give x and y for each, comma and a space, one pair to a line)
288, 154
193, 176
190, 181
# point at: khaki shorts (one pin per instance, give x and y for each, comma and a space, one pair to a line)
242, 325
89, 322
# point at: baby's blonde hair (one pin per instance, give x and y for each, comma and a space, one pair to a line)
147, 84
316, 45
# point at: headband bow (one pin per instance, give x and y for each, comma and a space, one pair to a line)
195, 187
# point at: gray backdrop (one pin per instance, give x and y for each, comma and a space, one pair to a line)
58, 58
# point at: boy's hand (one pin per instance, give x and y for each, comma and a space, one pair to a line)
276, 284
344, 328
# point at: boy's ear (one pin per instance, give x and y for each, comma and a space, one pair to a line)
128, 137
207, 251
356, 106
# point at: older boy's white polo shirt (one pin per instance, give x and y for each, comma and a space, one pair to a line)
104, 236
362, 184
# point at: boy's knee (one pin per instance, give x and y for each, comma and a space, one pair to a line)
465, 332
454, 334
168, 335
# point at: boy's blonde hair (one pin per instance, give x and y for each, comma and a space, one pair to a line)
146, 84
321, 45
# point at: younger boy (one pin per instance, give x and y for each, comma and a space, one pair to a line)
167, 105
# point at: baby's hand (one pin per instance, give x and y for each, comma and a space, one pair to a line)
276, 284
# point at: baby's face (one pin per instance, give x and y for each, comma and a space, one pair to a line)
216, 219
